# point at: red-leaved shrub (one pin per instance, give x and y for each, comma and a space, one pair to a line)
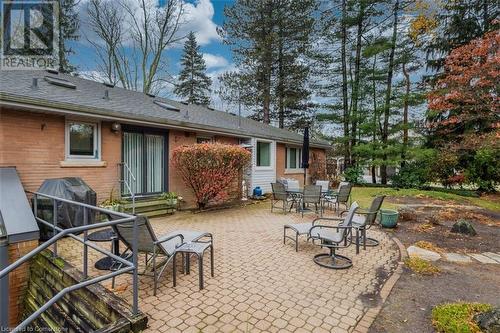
210, 169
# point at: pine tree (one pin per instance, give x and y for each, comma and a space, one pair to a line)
69, 24
194, 84
271, 40
461, 21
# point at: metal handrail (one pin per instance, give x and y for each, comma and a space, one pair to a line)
60, 233
126, 183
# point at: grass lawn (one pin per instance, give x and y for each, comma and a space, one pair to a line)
364, 196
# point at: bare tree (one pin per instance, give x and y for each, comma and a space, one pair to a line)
133, 38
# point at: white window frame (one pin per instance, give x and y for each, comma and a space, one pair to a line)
271, 155
209, 138
298, 158
97, 140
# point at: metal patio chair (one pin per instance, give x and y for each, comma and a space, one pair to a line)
334, 238
280, 195
325, 185
364, 219
155, 248
342, 197
311, 196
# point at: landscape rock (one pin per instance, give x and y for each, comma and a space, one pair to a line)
464, 227
407, 214
457, 257
493, 256
483, 259
489, 321
415, 251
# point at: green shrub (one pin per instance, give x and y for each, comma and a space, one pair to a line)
484, 169
411, 175
457, 317
353, 174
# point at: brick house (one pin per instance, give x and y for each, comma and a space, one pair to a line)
56, 125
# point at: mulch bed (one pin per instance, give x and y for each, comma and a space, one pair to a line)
408, 307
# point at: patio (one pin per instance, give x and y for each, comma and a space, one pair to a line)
259, 284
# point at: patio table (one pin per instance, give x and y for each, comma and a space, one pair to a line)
106, 235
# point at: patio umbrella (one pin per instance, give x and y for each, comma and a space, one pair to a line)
305, 152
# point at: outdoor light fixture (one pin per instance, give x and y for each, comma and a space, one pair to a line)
116, 127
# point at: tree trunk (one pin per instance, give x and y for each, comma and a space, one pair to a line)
405, 114
388, 94
347, 154
375, 117
355, 87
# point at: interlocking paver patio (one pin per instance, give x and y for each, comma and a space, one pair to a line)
260, 285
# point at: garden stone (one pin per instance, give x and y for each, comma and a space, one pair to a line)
407, 214
415, 251
457, 257
493, 256
482, 258
489, 321
464, 227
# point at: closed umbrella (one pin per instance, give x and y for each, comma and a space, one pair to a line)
305, 152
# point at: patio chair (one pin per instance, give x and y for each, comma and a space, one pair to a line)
280, 195
325, 185
311, 196
334, 238
342, 197
364, 219
292, 185
158, 247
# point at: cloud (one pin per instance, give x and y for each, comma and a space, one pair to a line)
214, 61
199, 19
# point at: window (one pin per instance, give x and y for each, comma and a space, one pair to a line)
293, 158
203, 140
263, 154
82, 140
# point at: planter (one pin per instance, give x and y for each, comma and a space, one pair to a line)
171, 202
114, 208
388, 218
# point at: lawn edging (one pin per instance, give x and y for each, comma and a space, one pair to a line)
364, 323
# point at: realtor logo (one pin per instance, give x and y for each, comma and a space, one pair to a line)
29, 34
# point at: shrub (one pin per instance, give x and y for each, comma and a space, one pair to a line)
421, 266
210, 169
353, 174
484, 169
411, 175
457, 317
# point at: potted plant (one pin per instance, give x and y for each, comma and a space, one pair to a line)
111, 203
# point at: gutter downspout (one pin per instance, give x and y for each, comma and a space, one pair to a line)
4, 285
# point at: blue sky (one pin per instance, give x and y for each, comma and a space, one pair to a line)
203, 17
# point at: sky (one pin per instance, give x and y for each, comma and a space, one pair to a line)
203, 17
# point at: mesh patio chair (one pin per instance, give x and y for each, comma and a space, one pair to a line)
342, 197
334, 238
325, 185
311, 196
154, 247
292, 185
364, 219
280, 195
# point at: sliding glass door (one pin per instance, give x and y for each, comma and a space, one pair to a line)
144, 153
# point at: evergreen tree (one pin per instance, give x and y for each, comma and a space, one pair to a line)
271, 40
194, 84
69, 24
461, 21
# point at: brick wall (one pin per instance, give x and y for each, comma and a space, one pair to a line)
34, 144
18, 280
182, 138
280, 163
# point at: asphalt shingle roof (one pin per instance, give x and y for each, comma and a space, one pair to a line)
89, 97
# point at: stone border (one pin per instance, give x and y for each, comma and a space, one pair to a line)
364, 323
